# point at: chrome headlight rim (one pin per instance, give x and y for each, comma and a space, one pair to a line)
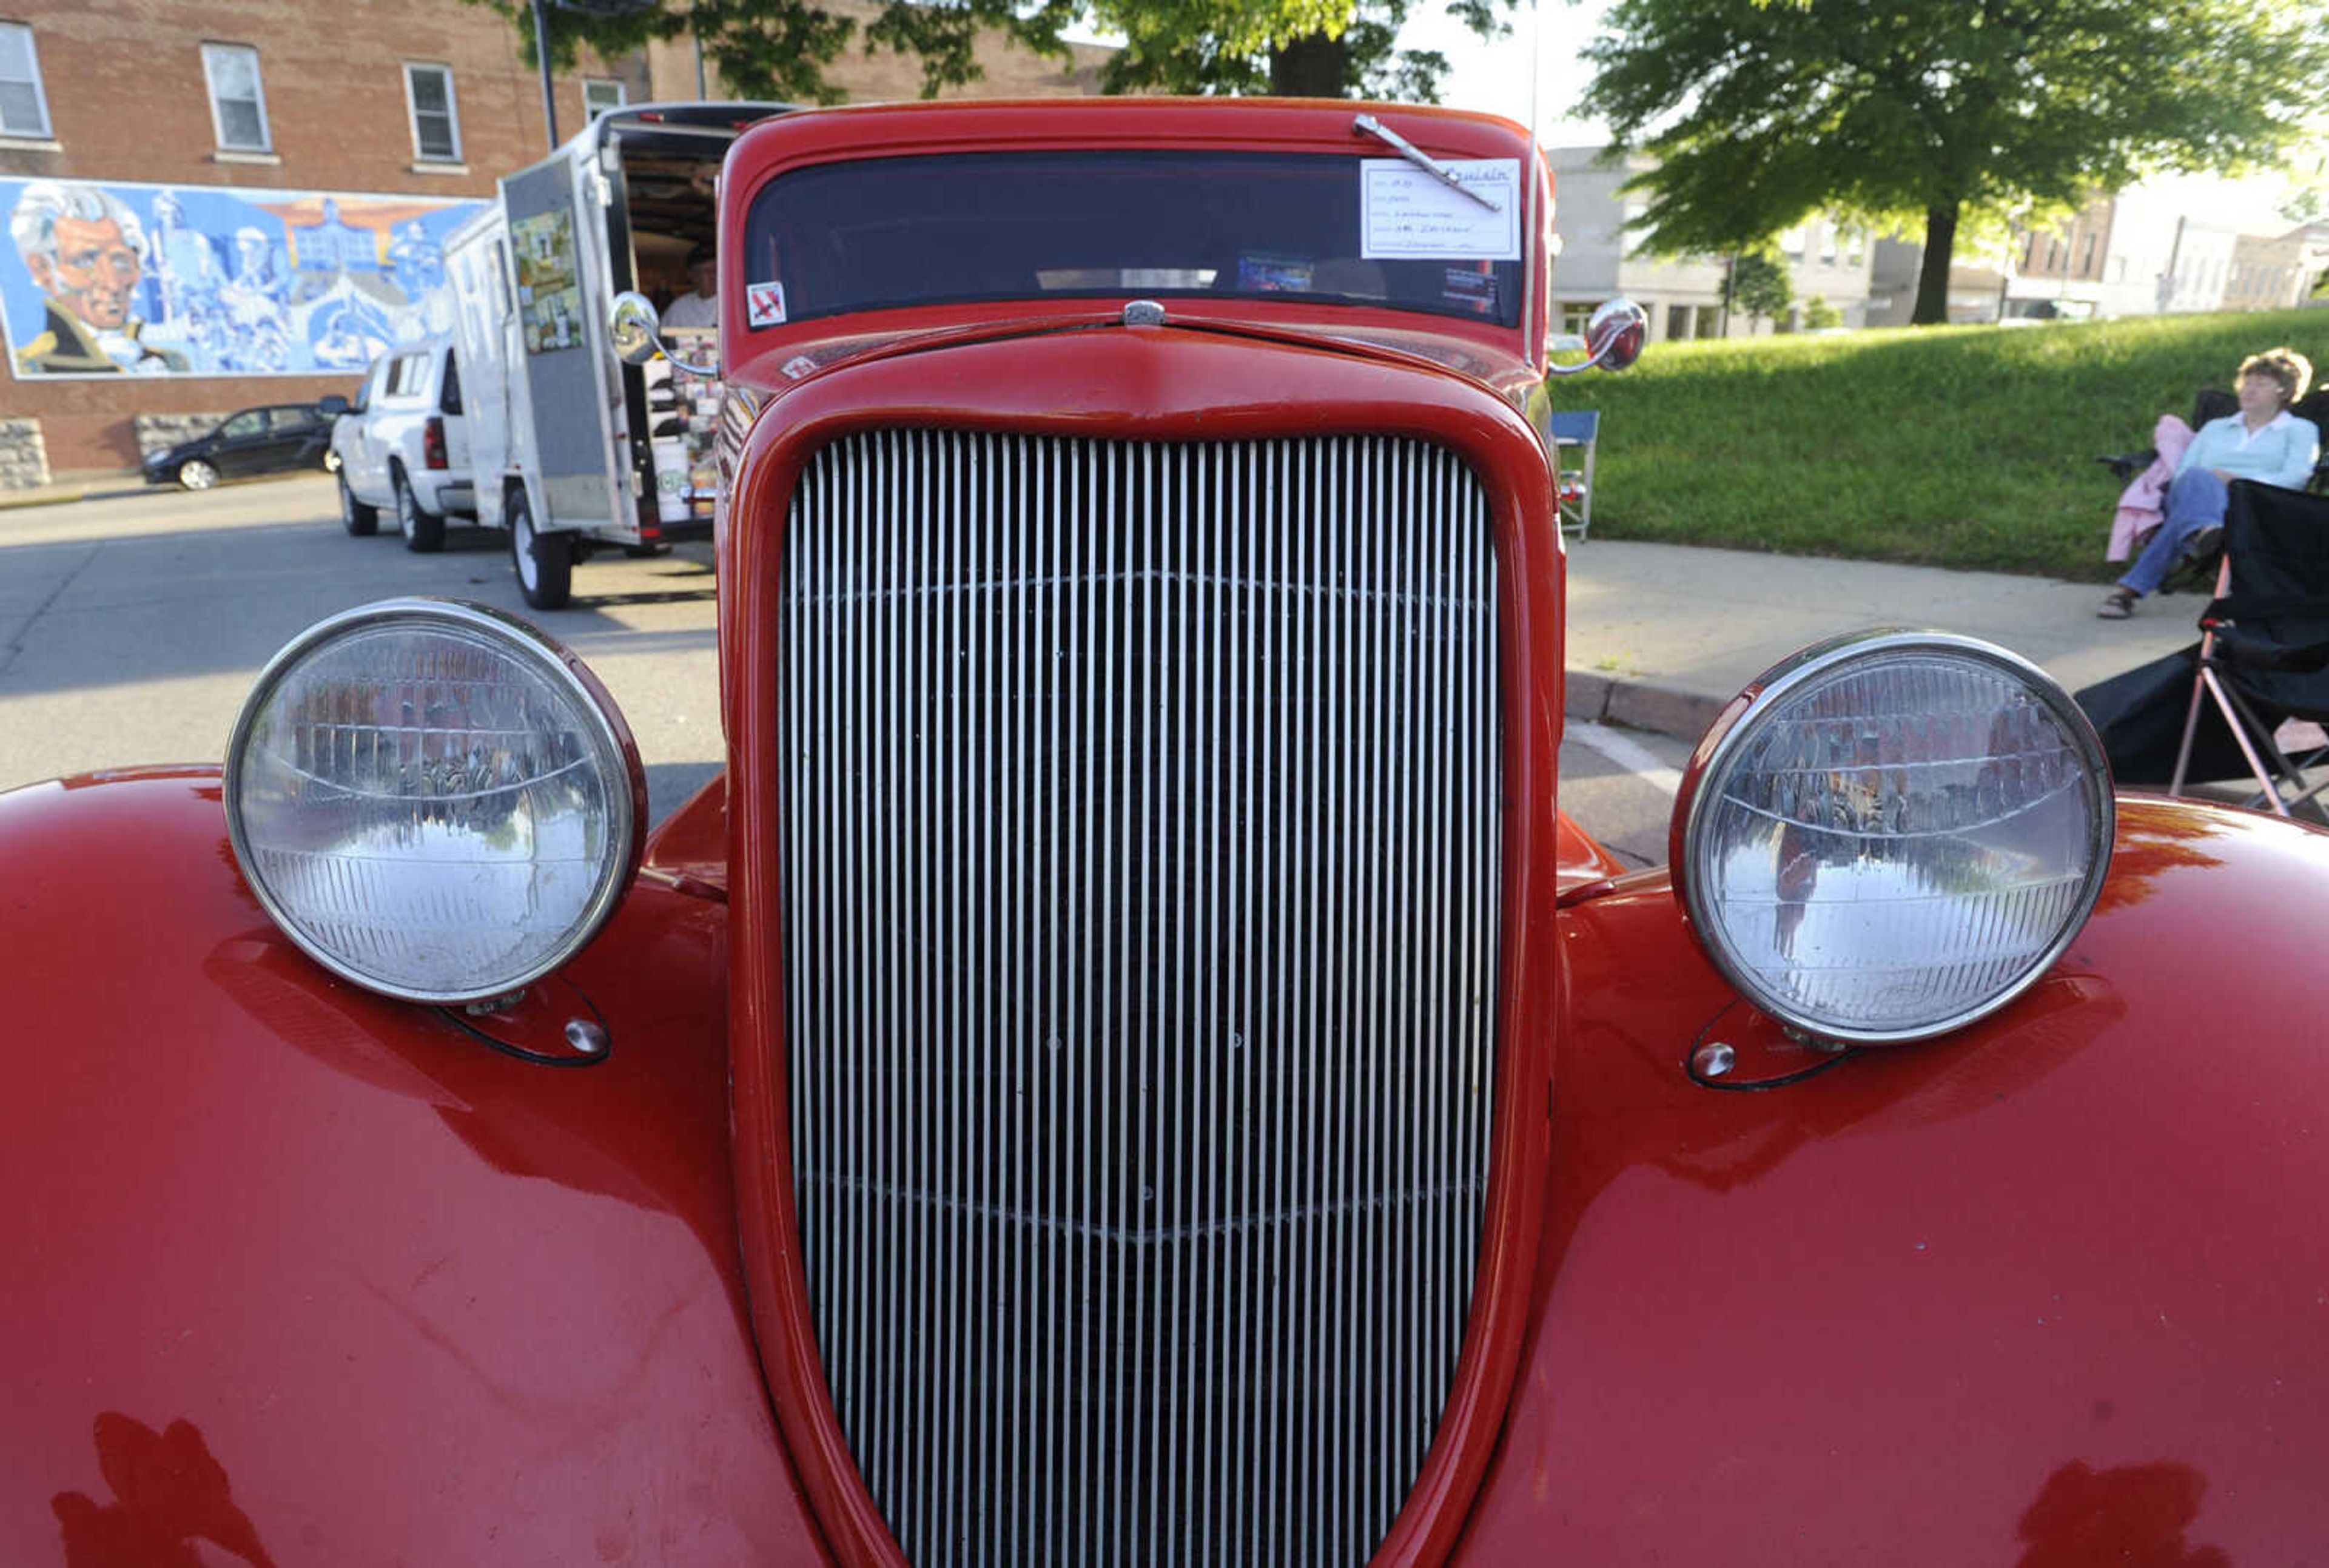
1721, 748
545, 654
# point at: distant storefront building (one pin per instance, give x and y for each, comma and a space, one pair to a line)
210, 209
2137, 252
1597, 225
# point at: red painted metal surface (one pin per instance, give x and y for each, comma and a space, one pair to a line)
295, 1270
1580, 861
2052, 1290
1160, 383
689, 852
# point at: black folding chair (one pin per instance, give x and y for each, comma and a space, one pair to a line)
2264, 644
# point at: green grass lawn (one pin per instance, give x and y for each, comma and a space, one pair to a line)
1967, 447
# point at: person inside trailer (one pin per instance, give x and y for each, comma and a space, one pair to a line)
700, 307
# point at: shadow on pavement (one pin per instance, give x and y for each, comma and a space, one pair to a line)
112, 609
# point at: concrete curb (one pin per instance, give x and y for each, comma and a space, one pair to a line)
46, 495
103, 488
1601, 699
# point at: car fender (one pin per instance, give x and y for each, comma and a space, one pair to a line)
2053, 1288
316, 1276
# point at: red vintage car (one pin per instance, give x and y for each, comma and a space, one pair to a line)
1132, 1064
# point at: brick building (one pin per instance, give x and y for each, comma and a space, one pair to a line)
271, 179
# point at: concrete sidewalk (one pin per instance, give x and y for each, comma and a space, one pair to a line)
1662, 636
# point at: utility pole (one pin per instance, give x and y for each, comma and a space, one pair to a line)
541, 54
2167, 279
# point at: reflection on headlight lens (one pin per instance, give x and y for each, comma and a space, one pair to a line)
431, 806
1901, 842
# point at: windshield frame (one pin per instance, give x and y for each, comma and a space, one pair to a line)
1007, 227
770, 151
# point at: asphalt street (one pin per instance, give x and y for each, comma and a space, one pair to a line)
132, 626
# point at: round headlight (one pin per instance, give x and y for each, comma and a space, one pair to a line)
1892, 835
435, 800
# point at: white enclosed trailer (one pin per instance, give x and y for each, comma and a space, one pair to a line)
572, 449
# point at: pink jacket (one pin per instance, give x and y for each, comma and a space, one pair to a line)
2141, 505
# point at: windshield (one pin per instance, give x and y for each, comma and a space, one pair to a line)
1357, 230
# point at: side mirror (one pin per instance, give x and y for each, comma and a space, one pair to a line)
332, 406
636, 329
634, 326
1614, 337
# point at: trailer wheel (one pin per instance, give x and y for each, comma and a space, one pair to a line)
424, 535
545, 562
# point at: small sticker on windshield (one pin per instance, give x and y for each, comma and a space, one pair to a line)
1273, 275
1406, 214
1472, 288
764, 304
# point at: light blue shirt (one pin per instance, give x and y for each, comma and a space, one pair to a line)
2282, 453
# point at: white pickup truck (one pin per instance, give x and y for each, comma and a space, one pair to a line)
403, 446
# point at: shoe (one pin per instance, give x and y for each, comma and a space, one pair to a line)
2118, 605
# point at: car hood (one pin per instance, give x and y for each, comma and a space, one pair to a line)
1372, 335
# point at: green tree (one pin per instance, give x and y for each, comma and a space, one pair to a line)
1760, 284
781, 49
1761, 111
1818, 313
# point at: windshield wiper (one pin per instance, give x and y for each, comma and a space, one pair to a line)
1368, 125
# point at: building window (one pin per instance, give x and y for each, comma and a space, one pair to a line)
238, 107
1575, 314
1791, 243
599, 95
436, 121
1677, 321
1827, 244
1855, 247
23, 110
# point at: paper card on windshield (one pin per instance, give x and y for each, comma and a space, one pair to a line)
1405, 215
764, 304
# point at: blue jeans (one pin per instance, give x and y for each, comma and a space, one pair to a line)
2196, 500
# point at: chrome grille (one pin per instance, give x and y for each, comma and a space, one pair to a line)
1140, 870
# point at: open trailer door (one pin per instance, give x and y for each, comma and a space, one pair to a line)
558, 261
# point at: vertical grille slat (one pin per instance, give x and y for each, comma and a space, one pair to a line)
1140, 875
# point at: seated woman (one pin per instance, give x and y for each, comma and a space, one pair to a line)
2263, 441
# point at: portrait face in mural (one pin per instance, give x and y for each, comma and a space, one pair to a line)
84, 248
92, 272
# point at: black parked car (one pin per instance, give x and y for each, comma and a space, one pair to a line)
263, 440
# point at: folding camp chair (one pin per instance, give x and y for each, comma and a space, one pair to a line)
2264, 644
1573, 437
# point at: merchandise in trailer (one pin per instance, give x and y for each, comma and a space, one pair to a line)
573, 449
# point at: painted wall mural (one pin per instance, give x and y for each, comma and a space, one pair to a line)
106, 279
